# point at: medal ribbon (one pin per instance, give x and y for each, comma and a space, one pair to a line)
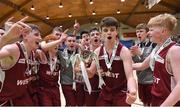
52, 64
156, 51
107, 61
26, 57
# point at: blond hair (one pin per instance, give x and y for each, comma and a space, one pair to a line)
164, 20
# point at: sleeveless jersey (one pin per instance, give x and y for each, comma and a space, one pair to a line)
163, 81
118, 80
33, 77
48, 78
15, 82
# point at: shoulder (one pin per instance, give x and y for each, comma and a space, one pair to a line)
125, 52
11, 48
174, 50
173, 53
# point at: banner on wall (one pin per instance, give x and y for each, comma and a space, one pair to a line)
129, 34
127, 43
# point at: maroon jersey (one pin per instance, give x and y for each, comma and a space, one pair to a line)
33, 82
118, 80
48, 78
162, 79
94, 83
15, 82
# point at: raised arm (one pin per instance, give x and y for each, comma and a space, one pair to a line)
14, 33
76, 28
46, 46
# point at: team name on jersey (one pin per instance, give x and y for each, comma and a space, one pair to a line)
52, 73
22, 82
156, 80
26, 81
110, 74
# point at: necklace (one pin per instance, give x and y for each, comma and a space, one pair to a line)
52, 63
26, 58
107, 61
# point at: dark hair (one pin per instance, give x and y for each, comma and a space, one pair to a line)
34, 27
142, 26
71, 35
84, 32
93, 29
109, 21
58, 29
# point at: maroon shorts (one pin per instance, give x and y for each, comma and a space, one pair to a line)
112, 99
145, 93
80, 94
69, 95
33, 92
157, 101
74, 98
49, 96
90, 99
25, 100
5, 103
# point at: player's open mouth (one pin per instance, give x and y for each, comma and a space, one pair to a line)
109, 37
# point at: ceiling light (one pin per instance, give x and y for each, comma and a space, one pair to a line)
60, 5
93, 13
47, 17
118, 12
70, 15
96, 23
122, 0
91, 2
32, 7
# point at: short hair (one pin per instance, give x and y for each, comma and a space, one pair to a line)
109, 21
34, 27
142, 26
93, 29
83, 32
164, 20
58, 29
50, 37
71, 35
